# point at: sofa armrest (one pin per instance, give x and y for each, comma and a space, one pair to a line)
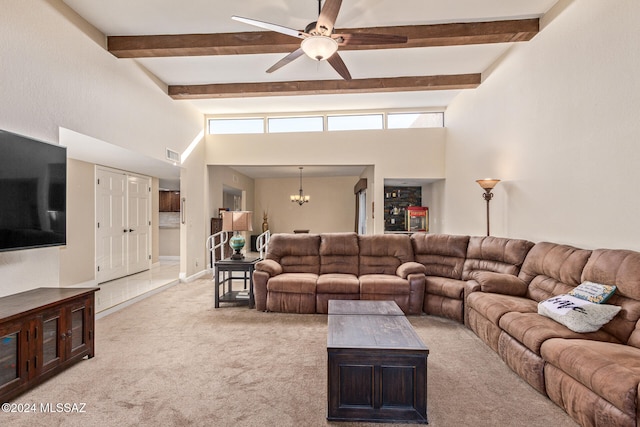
500, 283
260, 279
269, 266
404, 270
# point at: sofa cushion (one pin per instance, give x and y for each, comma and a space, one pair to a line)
497, 254
494, 306
590, 363
499, 283
297, 283
443, 286
383, 284
339, 253
551, 269
296, 253
593, 292
577, 314
443, 255
383, 253
532, 329
338, 283
621, 268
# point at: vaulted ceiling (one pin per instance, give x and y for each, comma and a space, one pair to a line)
219, 64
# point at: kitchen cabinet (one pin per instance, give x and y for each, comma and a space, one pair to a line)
169, 201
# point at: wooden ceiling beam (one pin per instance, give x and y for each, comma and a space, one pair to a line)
324, 87
257, 42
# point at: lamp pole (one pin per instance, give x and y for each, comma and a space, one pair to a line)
487, 195
487, 185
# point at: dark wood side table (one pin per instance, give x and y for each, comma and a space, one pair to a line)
377, 364
224, 276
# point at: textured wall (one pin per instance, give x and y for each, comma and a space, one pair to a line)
557, 122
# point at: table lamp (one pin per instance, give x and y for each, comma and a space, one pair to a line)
237, 221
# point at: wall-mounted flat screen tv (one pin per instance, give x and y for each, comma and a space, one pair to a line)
33, 193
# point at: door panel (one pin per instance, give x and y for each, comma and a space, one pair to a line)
111, 236
139, 227
123, 238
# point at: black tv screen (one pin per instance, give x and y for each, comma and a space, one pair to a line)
33, 190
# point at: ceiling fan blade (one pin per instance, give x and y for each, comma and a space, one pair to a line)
328, 14
286, 60
338, 64
270, 27
368, 39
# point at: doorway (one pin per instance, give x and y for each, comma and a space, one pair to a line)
123, 220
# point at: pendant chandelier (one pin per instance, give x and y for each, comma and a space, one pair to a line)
300, 198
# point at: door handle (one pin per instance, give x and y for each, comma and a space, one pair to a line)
125, 230
131, 230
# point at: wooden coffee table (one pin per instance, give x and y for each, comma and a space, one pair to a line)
377, 364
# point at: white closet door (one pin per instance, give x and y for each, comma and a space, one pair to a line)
139, 220
112, 230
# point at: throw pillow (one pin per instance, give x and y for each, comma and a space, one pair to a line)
577, 314
593, 292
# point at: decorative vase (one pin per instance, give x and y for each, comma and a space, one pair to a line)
237, 242
265, 223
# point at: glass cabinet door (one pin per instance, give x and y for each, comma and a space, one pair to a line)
9, 363
77, 328
50, 342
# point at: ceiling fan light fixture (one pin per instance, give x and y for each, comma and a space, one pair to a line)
319, 47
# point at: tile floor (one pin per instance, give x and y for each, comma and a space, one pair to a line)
119, 293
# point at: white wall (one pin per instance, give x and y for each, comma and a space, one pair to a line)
77, 258
55, 73
331, 207
398, 153
557, 122
194, 190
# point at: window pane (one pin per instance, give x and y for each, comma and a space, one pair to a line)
369, 121
231, 126
415, 120
295, 124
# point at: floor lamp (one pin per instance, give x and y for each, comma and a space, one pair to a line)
487, 184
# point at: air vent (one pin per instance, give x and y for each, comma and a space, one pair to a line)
174, 156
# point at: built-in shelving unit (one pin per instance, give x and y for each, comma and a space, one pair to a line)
396, 200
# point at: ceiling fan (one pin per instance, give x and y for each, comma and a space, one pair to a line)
319, 42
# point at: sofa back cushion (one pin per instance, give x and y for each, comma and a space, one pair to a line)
495, 254
620, 268
442, 255
339, 253
552, 269
384, 253
296, 253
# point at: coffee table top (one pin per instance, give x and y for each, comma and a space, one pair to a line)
365, 325
382, 308
372, 332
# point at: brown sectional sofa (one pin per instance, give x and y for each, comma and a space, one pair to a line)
451, 261
302, 272
494, 286
594, 376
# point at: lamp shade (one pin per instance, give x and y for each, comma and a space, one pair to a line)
487, 183
319, 47
237, 221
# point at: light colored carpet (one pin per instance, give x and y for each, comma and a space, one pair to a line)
174, 360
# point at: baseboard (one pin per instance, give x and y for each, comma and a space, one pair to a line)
184, 279
87, 284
